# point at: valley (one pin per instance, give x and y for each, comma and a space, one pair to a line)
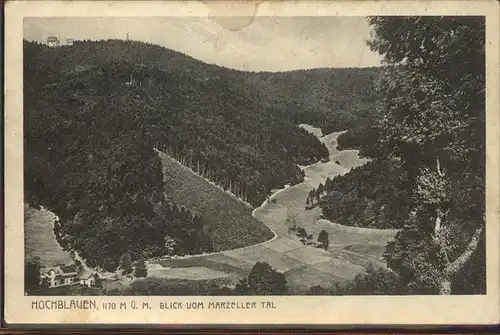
172, 176
237, 129
351, 248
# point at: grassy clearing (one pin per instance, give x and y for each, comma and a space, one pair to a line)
346, 235
354, 258
330, 142
374, 250
313, 130
190, 273
280, 262
185, 287
221, 263
230, 222
303, 278
309, 255
318, 173
340, 268
39, 239
284, 244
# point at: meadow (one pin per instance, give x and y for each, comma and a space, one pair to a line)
230, 221
40, 240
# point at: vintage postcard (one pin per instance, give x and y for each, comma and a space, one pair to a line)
252, 163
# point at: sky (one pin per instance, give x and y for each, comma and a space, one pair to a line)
261, 43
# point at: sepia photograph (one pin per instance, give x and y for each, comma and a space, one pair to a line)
253, 156
149, 171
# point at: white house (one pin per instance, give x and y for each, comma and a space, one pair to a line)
60, 275
87, 278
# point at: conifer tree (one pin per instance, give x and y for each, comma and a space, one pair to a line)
125, 263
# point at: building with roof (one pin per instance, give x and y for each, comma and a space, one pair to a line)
53, 41
67, 275
60, 275
87, 278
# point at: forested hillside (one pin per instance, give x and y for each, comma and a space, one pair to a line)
228, 221
94, 111
332, 99
375, 195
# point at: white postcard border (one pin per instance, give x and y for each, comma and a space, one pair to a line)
289, 309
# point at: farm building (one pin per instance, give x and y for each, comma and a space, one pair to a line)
70, 41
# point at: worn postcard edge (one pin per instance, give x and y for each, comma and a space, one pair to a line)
297, 310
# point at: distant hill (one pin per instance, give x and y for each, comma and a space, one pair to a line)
332, 99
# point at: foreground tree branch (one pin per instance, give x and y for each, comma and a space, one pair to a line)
458, 263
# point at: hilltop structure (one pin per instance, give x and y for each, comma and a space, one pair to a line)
53, 41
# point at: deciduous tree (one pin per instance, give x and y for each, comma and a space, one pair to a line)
264, 280
434, 112
323, 239
140, 269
